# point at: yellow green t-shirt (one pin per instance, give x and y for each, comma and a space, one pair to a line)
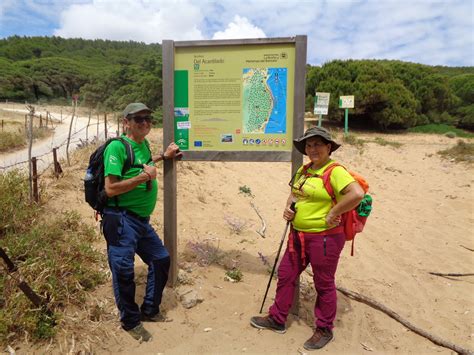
313, 202
139, 200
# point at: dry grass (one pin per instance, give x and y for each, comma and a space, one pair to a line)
461, 152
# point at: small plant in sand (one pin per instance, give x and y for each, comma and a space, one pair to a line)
235, 224
205, 253
245, 190
234, 275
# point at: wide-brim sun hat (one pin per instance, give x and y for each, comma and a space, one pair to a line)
300, 143
135, 107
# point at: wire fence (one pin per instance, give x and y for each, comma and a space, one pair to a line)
41, 156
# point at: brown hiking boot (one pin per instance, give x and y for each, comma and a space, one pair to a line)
159, 317
320, 338
139, 333
267, 323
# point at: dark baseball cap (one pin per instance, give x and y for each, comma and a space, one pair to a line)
300, 143
134, 108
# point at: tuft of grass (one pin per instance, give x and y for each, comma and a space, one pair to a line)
53, 254
352, 139
235, 274
383, 142
245, 190
11, 140
441, 129
451, 134
17, 139
462, 151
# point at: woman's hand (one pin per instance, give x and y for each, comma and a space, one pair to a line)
333, 219
288, 214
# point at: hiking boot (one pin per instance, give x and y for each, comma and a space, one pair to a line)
320, 338
139, 333
159, 317
267, 323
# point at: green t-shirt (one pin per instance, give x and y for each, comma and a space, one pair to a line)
138, 200
313, 202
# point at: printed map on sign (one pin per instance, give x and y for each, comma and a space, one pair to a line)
264, 100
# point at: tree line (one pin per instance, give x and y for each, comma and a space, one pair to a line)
109, 74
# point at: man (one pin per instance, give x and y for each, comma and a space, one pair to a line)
126, 221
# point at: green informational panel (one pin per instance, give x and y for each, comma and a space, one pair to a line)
234, 98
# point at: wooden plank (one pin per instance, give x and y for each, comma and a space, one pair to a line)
169, 166
236, 42
298, 125
236, 156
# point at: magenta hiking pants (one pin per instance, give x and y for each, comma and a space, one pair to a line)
322, 252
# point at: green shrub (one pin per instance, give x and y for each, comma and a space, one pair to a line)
441, 129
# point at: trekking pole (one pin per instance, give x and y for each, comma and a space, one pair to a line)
292, 207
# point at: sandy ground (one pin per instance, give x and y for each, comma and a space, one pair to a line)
422, 221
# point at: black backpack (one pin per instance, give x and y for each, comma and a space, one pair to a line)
94, 180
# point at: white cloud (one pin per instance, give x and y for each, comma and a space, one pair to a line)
425, 31
240, 27
148, 22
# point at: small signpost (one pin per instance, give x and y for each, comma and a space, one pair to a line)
346, 102
321, 105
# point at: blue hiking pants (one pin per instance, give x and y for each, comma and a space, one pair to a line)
127, 234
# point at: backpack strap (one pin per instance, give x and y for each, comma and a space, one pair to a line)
327, 181
130, 155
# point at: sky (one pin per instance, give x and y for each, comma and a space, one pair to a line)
430, 32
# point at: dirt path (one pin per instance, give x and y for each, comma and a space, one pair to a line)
42, 149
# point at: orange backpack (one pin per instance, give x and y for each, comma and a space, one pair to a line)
355, 219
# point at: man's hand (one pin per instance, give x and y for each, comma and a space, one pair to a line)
150, 170
172, 152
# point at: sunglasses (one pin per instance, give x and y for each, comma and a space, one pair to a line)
141, 119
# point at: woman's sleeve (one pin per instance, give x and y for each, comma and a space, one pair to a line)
340, 178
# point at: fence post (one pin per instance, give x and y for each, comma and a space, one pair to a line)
98, 119
105, 125
30, 147
69, 135
57, 167
26, 120
87, 128
41, 121
35, 180
118, 124
2, 125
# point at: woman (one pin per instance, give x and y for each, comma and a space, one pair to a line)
316, 236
